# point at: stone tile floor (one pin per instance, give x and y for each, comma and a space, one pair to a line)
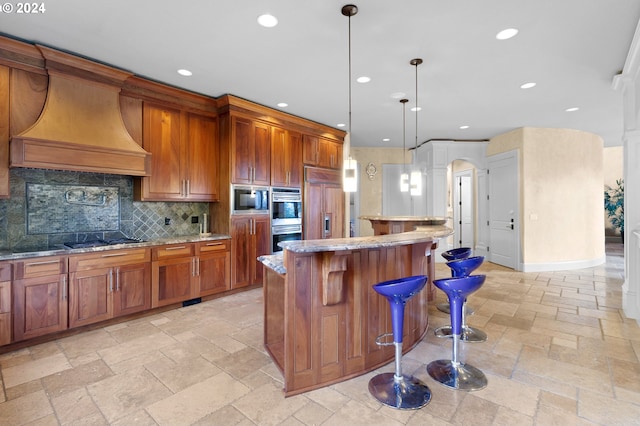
560, 352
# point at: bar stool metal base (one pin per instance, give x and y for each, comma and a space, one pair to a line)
468, 334
459, 375
407, 393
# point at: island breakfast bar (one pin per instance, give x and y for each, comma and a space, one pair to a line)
321, 314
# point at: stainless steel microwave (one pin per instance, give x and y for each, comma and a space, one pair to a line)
249, 199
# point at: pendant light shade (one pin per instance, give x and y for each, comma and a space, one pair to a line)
404, 176
350, 167
415, 182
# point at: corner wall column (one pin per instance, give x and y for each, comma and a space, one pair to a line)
628, 82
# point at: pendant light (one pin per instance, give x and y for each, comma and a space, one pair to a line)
415, 182
350, 174
404, 176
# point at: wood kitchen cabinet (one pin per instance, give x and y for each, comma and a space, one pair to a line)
250, 152
187, 271
214, 267
323, 190
5, 303
173, 274
184, 156
108, 284
286, 158
40, 296
251, 235
322, 152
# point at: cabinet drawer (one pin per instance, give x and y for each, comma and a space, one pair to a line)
40, 267
214, 246
106, 259
5, 271
171, 251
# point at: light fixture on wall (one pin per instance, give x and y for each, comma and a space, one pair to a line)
404, 176
350, 168
415, 181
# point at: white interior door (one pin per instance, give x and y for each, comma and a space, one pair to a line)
503, 210
463, 208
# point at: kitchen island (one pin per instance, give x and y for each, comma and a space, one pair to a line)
383, 225
321, 314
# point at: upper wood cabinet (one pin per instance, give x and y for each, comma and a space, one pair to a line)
250, 152
322, 152
184, 156
286, 158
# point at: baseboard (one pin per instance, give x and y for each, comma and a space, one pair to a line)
562, 266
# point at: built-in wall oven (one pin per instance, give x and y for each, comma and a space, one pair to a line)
249, 199
286, 216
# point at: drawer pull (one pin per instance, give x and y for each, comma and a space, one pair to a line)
175, 248
50, 262
115, 254
214, 244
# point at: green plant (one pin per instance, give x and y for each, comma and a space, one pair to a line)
614, 205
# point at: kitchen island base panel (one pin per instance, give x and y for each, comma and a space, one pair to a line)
317, 340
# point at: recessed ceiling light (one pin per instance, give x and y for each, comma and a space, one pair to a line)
184, 72
267, 20
414, 109
464, 127
283, 104
341, 125
528, 85
572, 109
386, 140
363, 79
506, 34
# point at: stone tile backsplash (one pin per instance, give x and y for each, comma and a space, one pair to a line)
49, 207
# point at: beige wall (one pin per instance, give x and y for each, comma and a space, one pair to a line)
613, 170
561, 205
370, 190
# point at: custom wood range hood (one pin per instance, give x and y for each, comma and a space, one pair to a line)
80, 127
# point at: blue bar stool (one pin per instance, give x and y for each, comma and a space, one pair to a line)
449, 255
464, 268
453, 373
397, 390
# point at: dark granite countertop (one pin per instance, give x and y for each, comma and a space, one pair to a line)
7, 255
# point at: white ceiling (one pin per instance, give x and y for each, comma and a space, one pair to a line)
570, 48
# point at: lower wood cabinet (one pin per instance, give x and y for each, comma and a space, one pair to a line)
173, 274
108, 284
251, 235
186, 271
40, 297
214, 267
5, 303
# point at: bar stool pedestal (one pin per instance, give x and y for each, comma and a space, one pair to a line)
397, 390
453, 373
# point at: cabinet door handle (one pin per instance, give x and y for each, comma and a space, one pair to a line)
197, 266
175, 248
118, 279
64, 287
110, 280
187, 191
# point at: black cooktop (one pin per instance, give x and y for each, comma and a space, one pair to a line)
100, 243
